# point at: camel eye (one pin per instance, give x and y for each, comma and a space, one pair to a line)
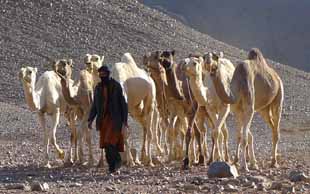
29, 72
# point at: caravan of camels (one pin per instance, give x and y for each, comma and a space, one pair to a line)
174, 102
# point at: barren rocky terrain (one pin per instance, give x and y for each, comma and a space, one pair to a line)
37, 32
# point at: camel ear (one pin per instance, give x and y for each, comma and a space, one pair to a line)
35, 70
54, 65
157, 54
221, 54
215, 57
172, 52
102, 59
70, 61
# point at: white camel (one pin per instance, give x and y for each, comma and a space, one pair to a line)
140, 91
205, 94
45, 98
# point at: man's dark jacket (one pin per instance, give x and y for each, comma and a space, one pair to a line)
117, 105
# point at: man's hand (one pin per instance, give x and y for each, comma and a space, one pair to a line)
125, 130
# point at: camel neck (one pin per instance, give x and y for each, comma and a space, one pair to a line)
30, 96
198, 89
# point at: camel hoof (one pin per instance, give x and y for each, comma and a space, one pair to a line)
151, 164
254, 166
61, 154
68, 163
274, 165
130, 164
244, 169
186, 163
138, 162
48, 166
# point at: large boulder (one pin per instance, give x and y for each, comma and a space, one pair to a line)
222, 170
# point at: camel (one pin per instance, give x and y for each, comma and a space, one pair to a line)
140, 92
45, 97
179, 104
82, 101
255, 87
206, 97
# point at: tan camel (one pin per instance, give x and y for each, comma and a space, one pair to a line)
206, 97
140, 91
82, 101
45, 97
179, 104
255, 86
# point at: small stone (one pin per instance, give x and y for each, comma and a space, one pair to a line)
76, 185
36, 186
230, 188
16, 186
110, 189
276, 186
189, 187
222, 170
297, 176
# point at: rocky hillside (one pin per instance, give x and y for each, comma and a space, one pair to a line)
36, 32
279, 27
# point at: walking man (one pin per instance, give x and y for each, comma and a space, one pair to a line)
111, 112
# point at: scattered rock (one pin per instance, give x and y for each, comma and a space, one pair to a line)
290, 189
297, 176
76, 185
230, 188
222, 170
16, 186
36, 186
276, 186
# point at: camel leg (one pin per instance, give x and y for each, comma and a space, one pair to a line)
55, 120
129, 159
248, 116
199, 138
46, 139
171, 138
149, 120
239, 123
200, 123
164, 127
73, 141
276, 108
179, 138
88, 136
188, 138
225, 134
218, 131
269, 119
157, 132
250, 152
80, 154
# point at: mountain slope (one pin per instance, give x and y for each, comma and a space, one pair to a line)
36, 32
278, 27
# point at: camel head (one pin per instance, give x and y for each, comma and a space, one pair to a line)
93, 62
211, 61
28, 75
152, 63
192, 66
63, 67
167, 59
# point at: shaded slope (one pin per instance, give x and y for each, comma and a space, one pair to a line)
36, 32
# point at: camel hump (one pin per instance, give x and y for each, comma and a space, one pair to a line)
127, 58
